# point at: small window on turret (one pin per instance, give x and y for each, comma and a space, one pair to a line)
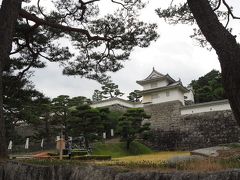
167, 93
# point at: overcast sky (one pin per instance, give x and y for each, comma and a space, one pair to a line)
174, 53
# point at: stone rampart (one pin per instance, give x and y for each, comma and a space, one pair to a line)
164, 115
208, 129
171, 130
19, 171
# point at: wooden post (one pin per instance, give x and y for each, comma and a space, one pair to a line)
61, 148
60, 145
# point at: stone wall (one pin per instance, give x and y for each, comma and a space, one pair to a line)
170, 130
19, 171
208, 129
164, 115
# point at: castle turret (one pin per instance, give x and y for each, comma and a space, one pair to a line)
159, 88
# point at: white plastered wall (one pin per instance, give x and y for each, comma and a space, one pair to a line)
206, 107
159, 84
114, 102
174, 94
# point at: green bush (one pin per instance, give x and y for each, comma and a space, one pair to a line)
79, 153
93, 157
75, 152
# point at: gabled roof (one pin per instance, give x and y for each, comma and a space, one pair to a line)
155, 76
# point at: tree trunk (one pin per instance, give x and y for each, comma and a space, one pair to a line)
8, 17
226, 47
3, 149
47, 129
86, 142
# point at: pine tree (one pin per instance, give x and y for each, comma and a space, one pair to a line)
134, 96
86, 122
131, 124
32, 33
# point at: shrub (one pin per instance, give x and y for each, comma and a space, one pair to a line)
79, 152
76, 152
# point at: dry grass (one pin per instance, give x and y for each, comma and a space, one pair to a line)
204, 165
158, 161
155, 157
148, 161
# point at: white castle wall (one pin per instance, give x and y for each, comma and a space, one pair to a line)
206, 107
164, 96
155, 85
115, 101
221, 105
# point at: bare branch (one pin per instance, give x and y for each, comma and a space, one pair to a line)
40, 10
171, 3
125, 5
88, 2
230, 10
118, 3
21, 74
228, 20
39, 21
219, 4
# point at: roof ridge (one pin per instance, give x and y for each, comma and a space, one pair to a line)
156, 72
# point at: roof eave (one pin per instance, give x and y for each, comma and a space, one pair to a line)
164, 88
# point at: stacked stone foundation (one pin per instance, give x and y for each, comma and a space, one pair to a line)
173, 131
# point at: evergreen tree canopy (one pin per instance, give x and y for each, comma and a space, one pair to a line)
86, 121
109, 90
208, 87
97, 96
20, 101
109, 119
134, 96
100, 43
131, 124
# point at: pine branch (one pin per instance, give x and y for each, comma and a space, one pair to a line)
39, 21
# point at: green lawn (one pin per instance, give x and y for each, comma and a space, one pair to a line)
119, 149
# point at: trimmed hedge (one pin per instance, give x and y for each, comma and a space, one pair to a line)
79, 153
76, 152
92, 157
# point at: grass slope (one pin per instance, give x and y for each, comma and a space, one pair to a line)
119, 149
